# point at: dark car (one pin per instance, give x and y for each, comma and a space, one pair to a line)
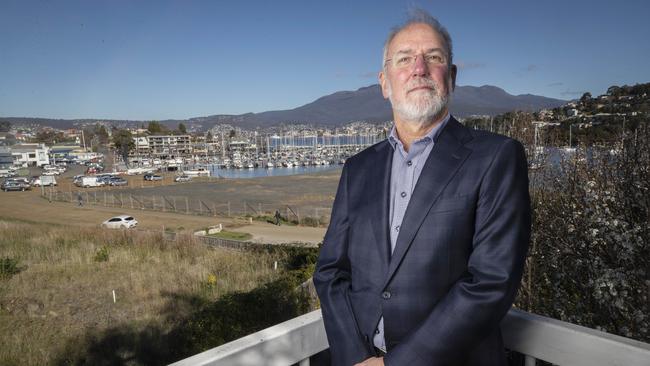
117, 181
104, 179
12, 185
152, 177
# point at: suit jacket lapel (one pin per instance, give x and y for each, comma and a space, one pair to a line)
443, 162
378, 195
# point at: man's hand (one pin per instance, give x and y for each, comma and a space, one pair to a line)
372, 361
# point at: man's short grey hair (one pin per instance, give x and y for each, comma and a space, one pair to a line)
419, 16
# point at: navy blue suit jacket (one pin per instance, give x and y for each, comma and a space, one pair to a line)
457, 263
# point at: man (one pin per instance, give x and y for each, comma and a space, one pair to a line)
430, 228
277, 217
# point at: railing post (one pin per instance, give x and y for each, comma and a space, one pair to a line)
529, 360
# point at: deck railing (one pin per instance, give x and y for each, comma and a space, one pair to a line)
537, 337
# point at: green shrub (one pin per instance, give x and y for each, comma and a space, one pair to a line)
102, 255
311, 221
8, 267
239, 314
232, 235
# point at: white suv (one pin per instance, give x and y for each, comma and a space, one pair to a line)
120, 222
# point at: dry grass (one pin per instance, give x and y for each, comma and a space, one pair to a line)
63, 292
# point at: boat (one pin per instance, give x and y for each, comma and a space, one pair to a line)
198, 172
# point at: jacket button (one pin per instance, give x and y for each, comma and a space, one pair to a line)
385, 295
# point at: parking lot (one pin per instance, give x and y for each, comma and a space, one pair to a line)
316, 190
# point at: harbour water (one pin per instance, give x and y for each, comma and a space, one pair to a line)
215, 171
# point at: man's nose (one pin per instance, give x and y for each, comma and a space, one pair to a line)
420, 67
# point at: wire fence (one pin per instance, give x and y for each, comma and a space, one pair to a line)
300, 215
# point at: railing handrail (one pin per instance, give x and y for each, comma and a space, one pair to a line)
283, 344
543, 338
563, 343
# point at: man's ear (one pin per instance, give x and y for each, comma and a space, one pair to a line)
382, 83
453, 72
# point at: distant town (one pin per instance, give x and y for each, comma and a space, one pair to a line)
155, 146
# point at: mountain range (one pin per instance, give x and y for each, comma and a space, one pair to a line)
365, 104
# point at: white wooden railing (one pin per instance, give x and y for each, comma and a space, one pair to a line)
537, 337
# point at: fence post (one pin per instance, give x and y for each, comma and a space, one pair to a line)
121, 201
228, 208
104, 198
187, 206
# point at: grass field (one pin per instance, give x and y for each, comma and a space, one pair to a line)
62, 293
232, 235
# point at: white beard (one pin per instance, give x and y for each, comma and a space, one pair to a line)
421, 109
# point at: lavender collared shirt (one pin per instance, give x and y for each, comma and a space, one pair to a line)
404, 175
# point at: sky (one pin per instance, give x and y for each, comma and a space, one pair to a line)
157, 60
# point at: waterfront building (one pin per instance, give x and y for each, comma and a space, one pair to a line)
31, 154
165, 146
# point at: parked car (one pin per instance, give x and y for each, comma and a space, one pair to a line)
120, 222
117, 181
14, 185
86, 182
152, 177
182, 178
44, 180
104, 179
24, 180
7, 173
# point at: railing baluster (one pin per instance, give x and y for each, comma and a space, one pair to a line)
529, 360
304, 362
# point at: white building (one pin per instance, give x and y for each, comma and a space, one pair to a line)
165, 146
31, 154
141, 146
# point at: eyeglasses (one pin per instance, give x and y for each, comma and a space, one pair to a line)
405, 60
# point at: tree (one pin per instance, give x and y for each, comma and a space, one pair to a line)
102, 134
208, 137
124, 143
181, 128
614, 91
155, 127
5, 126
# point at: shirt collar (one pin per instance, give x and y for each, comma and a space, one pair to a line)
430, 136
